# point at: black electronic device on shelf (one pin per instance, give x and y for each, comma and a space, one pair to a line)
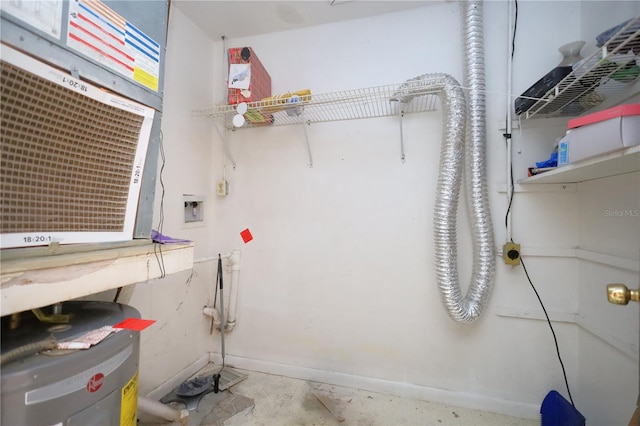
542, 86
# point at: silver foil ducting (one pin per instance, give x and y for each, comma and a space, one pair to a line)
463, 148
484, 261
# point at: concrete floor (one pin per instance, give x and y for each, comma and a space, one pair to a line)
268, 400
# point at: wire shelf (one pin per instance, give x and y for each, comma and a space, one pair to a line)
370, 102
606, 74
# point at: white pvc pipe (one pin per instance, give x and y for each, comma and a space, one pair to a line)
160, 410
212, 311
234, 261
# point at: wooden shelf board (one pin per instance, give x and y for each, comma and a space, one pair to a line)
41, 276
610, 164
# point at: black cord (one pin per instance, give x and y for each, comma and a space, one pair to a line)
506, 221
507, 136
511, 186
222, 320
157, 248
162, 156
515, 27
115, 298
555, 339
215, 294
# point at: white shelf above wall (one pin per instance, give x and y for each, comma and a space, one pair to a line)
602, 77
611, 164
606, 74
353, 104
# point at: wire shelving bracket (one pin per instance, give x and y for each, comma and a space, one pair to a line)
378, 101
606, 74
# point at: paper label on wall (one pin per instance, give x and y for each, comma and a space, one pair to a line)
106, 37
45, 15
239, 76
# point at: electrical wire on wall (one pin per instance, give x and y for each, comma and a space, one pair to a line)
507, 135
510, 192
223, 134
157, 247
555, 339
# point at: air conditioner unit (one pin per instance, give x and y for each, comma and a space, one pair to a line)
81, 102
72, 156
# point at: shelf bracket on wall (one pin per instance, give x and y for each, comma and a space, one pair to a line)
227, 152
401, 115
381, 101
305, 123
225, 145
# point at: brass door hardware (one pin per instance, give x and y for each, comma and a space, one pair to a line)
619, 294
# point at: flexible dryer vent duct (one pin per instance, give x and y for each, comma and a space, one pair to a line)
470, 308
452, 159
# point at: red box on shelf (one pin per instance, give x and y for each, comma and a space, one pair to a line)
248, 80
251, 82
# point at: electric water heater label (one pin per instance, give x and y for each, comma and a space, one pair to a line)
129, 402
100, 33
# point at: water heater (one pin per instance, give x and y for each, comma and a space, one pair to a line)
94, 386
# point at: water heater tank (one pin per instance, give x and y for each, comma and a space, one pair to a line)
95, 386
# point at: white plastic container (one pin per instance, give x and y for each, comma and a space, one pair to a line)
601, 132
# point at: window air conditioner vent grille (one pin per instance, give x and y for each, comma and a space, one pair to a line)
66, 158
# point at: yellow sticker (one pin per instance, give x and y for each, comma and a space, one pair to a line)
144, 78
129, 402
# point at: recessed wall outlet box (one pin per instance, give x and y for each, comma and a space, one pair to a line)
511, 254
222, 188
193, 208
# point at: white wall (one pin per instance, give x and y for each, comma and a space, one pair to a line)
609, 221
340, 276
608, 370
338, 284
180, 334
